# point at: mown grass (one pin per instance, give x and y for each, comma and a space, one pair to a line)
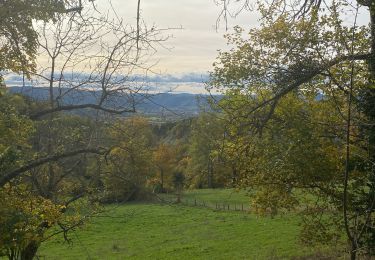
156, 231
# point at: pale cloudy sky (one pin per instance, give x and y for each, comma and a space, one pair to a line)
193, 48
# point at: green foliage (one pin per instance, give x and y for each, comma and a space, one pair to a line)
37, 201
19, 38
129, 163
206, 167
165, 160
287, 154
24, 218
15, 132
286, 85
178, 179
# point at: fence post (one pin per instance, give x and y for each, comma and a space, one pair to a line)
195, 202
228, 206
242, 206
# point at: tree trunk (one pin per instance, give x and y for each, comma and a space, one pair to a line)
30, 251
234, 176
368, 108
209, 177
161, 181
209, 174
353, 252
368, 102
179, 191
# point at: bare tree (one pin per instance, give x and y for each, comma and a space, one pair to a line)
89, 62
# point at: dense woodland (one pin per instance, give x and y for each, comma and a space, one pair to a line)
294, 124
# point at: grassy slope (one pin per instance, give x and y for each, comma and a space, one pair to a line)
150, 231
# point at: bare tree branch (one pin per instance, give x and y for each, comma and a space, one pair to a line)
53, 158
83, 106
308, 76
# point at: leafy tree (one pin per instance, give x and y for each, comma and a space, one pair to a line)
308, 47
19, 38
206, 163
178, 182
129, 162
33, 204
164, 158
293, 153
15, 131
24, 218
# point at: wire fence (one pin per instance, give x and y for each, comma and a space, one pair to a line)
222, 206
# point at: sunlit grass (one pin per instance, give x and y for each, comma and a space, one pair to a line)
152, 231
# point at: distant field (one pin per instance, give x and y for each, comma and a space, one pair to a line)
236, 199
153, 231
230, 196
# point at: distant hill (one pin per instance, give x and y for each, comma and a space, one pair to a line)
164, 104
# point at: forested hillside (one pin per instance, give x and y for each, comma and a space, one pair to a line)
169, 105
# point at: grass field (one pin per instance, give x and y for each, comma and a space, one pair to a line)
225, 196
153, 231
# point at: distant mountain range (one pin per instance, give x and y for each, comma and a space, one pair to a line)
164, 104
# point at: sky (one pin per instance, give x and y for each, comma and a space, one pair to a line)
182, 65
195, 47
189, 52
192, 48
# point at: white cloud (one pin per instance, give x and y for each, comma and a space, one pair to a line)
193, 83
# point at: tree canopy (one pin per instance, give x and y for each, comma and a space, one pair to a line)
17, 32
308, 50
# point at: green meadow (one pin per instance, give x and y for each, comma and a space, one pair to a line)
171, 231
